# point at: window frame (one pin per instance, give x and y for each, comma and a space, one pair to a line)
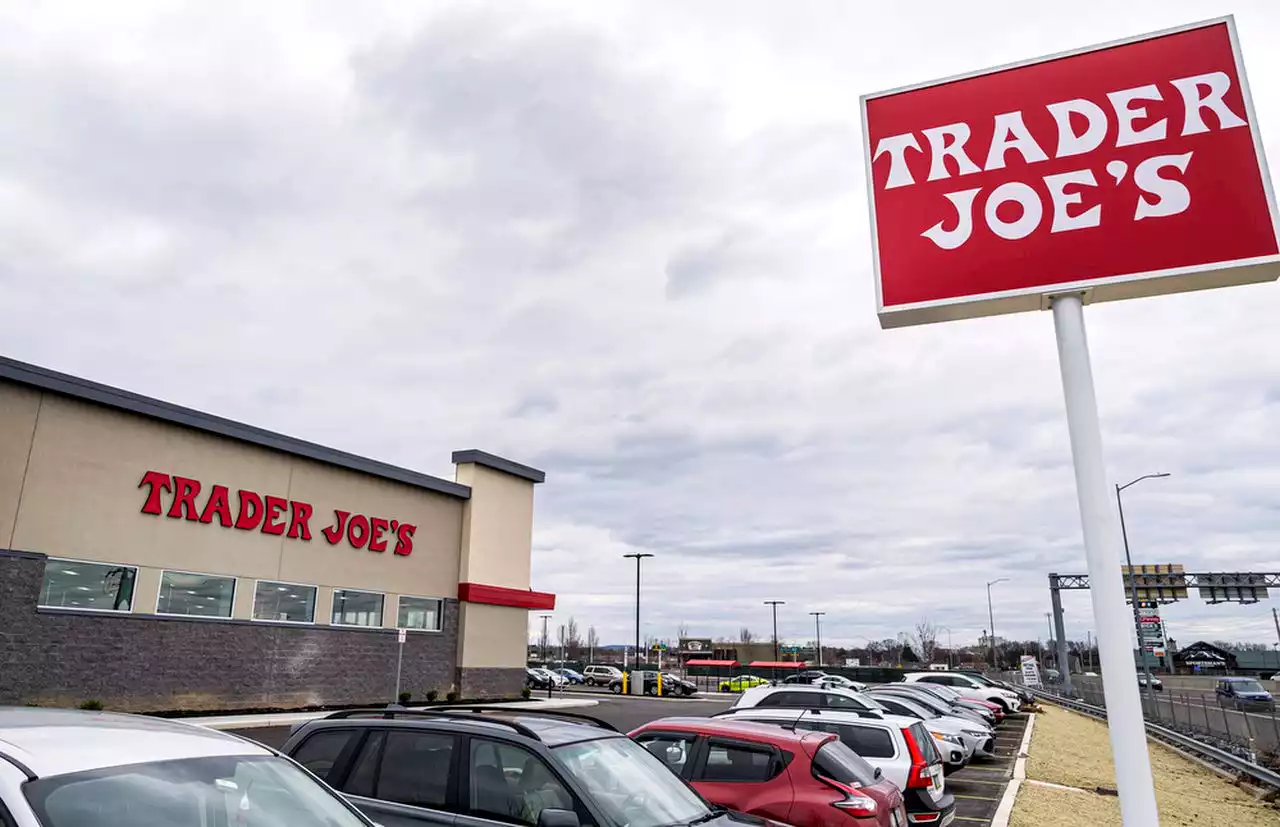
439, 613
314, 603
776, 761
235, 589
382, 611
133, 599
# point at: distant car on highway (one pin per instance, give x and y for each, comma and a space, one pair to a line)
1155, 682
806, 777
67, 768
741, 683
1243, 693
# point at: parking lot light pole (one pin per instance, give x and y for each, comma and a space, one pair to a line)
991, 617
543, 647
817, 622
949, 648
775, 604
638, 557
1133, 583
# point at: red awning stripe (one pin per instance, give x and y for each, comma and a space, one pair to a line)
503, 596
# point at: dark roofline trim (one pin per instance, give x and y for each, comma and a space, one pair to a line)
497, 463
77, 388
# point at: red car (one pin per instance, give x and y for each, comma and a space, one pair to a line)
805, 778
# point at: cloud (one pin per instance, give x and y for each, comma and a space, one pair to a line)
629, 246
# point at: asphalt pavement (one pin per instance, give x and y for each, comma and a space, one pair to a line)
977, 788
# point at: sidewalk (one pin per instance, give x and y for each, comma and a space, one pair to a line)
291, 718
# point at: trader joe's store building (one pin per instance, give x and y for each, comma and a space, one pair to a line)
155, 557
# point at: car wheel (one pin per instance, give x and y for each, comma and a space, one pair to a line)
617, 688
724, 689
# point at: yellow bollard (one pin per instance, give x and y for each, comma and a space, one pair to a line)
659, 684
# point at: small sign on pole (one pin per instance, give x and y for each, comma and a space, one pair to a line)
401, 634
1031, 672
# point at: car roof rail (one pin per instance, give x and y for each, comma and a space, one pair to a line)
547, 713
18, 765
391, 714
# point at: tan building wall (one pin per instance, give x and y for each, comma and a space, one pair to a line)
78, 497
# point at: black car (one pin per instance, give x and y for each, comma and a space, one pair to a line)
537, 679
806, 677
672, 685
650, 684
484, 766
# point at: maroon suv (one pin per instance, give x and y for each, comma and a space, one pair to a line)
803, 777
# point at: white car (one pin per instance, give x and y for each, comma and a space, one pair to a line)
978, 739
67, 768
948, 737
807, 696
969, 688
839, 682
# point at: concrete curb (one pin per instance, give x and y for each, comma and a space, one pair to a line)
1005, 808
291, 718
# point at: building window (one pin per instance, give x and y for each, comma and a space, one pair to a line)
352, 608
419, 613
199, 595
103, 587
284, 601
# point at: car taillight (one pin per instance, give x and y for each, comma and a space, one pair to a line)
919, 776
923, 818
854, 803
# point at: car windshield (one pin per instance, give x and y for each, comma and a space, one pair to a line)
219, 791
630, 785
1247, 686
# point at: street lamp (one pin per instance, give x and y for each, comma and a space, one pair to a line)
817, 622
775, 604
991, 616
543, 647
1133, 582
638, 557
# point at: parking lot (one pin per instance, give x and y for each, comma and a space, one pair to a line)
977, 788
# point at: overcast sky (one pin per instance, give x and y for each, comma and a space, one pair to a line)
626, 243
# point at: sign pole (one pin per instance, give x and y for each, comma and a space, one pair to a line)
1124, 708
400, 636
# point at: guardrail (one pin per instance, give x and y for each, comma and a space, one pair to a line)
1261, 775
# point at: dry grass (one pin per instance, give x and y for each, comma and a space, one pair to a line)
1075, 751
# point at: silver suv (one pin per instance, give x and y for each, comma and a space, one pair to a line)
66, 768
601, 675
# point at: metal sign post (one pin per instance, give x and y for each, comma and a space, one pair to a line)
1124, 709
401, 634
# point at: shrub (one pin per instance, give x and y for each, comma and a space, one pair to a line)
432, 694
405, 696
453, 696
526, 693
92, 704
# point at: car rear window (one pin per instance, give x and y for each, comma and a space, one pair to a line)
839, 763
925, 743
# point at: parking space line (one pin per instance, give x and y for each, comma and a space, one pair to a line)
971, 818
957, 780
976, 797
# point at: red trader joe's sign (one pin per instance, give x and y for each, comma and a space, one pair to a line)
1131, 169
269, 514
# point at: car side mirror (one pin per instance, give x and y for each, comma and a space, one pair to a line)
552, 817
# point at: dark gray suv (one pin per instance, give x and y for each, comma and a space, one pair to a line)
482, 766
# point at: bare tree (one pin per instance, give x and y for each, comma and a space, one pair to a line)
744, 636
926, 639
593, 642
682, 631
573, 640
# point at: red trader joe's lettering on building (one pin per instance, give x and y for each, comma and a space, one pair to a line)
267, 513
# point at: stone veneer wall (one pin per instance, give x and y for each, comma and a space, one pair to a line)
146, 663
